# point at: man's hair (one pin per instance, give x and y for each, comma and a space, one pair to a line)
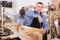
22, 11
39, 3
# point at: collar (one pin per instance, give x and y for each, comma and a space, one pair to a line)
35, 12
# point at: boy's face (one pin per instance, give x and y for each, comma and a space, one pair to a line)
22, 15
39, 8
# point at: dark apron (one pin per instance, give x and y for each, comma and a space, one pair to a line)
35, 23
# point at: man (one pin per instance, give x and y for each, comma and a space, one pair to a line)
38, 20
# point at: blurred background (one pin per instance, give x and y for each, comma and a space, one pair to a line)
51, 10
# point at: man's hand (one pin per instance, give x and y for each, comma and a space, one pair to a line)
42, 31
40, 19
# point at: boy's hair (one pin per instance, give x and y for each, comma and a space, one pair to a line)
22, 11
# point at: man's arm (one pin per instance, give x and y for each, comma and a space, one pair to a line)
27, 22
45, 24
31, 14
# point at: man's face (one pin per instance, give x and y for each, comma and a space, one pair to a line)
39, 8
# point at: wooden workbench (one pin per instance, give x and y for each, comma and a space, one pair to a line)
23, 32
